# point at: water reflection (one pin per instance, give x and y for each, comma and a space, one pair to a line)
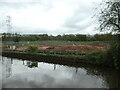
31, 74
32, 64
7, 67
0, 72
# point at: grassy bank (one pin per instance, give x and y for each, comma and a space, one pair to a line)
46, 54
95, 58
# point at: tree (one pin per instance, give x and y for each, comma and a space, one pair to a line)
110, 20
16, 37
80, 37
110, 17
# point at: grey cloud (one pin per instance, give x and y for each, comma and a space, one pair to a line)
19, 5
26, 30
80, 15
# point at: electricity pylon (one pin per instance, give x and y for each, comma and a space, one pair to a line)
9, 29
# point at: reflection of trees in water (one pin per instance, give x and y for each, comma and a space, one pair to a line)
110, 76
32, 64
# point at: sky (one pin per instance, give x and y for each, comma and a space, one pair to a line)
51, 17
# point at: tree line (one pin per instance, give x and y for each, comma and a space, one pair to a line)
66, 37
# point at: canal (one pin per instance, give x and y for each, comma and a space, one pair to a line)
18, 73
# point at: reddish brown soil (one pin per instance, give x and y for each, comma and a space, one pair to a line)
81, 48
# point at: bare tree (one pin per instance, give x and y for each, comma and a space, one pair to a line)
109, 17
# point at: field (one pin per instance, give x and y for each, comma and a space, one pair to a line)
62, 47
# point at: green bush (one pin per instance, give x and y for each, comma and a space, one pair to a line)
110, 57
105, 59
115, 50
92, 57
32, 49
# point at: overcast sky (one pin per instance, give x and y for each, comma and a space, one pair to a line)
49, 16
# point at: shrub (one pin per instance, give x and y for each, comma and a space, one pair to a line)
32, 49
105, 59
110, 57
92, 57
115, 50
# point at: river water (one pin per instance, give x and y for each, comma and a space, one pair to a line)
18, 73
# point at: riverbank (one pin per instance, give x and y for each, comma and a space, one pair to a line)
89, 59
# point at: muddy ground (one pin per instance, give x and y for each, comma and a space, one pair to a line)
66, 48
